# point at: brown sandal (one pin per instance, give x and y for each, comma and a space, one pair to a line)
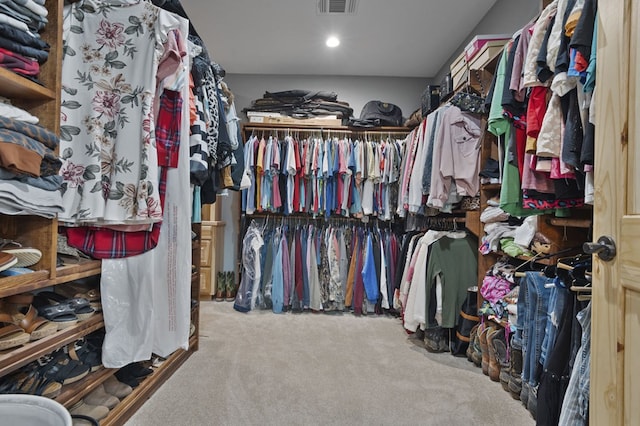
11, 335
37, 326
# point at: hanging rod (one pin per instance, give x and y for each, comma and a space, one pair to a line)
308, 128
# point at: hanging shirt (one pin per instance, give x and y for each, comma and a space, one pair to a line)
105, 108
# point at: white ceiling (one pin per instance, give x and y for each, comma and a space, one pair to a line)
402, 38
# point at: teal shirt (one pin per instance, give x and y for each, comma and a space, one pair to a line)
497, 122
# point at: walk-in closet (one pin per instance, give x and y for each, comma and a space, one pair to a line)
318, 212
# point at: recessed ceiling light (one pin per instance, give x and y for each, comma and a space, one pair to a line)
333, 41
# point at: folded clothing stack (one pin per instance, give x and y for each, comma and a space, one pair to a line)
21, 48
301, 104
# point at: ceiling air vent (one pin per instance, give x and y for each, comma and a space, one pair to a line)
339, 7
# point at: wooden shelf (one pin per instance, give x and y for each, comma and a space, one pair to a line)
25, 283
40, 279
129, 405
268, 126
76, 391
15, 358
14, 86
573, 223
546, 261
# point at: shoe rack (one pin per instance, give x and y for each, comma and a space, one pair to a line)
33, 231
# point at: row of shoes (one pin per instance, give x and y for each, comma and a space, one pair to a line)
226, 286
501, 361
48, 374
97, 404
27, 317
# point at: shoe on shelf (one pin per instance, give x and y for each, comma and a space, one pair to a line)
97, 412
30, 322
7, 261
99, 396
131, 374
137, 370
87, 353
31, 380
126, 378
60, 367
114, 387
27, 256
81, 306
11, 335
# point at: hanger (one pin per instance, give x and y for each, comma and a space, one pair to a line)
568, 263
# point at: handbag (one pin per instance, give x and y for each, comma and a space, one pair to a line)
468, 102
467, 319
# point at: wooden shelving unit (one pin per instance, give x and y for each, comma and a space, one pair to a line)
44, 102
17, 87
40, 279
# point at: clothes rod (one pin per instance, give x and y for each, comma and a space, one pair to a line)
306, 128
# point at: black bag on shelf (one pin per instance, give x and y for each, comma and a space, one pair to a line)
381, 112
430, 99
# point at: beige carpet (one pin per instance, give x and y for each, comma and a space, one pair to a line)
311, 369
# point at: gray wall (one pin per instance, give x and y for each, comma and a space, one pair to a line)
505, 17
404, 92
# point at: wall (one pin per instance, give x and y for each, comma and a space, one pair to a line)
404, 92
505, 17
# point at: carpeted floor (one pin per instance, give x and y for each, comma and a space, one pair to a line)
311, 369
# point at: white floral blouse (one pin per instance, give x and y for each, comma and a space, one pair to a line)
110, 60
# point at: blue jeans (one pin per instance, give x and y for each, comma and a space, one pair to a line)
557, 303
536, 304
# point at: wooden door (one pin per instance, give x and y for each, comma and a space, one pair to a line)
615, 350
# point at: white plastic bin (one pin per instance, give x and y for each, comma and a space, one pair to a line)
32, 410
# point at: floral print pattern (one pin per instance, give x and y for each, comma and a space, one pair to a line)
110, 59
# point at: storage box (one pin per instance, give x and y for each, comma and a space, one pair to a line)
430, 99
446, 87
459, 64
487, 53
479, 41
